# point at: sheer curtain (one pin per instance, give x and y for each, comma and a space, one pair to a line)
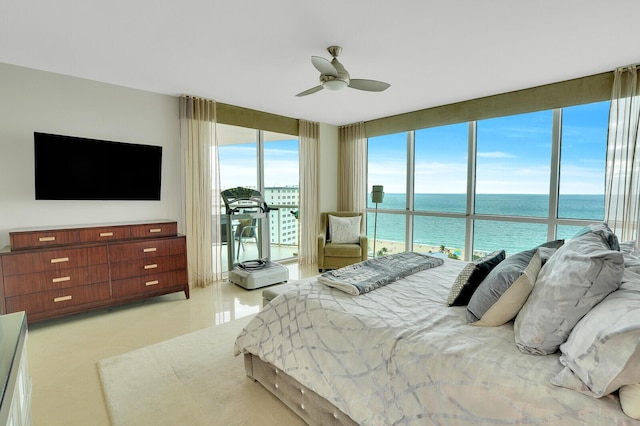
309, 133
201, 180
622, 181
352, 168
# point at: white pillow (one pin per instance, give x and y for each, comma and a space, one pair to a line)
575, 279
344, 230
630, 400
603, 350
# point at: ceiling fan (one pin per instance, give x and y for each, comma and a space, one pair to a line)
334, 76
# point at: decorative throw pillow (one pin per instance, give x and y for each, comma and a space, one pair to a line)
471, 276
630, 400
497, 300
344, 230
576, 278
495, 291
602, 352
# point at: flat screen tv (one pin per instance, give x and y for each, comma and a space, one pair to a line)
72, 168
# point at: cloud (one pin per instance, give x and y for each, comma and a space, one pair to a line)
495, 154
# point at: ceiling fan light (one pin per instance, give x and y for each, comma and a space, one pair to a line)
334, 84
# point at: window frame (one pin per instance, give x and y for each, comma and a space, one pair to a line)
551, 220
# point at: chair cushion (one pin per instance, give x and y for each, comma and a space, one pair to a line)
342, 250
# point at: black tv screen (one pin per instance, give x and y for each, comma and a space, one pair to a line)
72, 168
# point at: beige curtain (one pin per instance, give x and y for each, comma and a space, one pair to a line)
309, 137
352, 168
201, 180
622, 181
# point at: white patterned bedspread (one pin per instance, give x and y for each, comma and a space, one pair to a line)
399, 355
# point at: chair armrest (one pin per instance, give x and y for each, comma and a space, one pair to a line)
364, 245
321, 243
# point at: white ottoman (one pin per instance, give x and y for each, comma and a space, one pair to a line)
272, 292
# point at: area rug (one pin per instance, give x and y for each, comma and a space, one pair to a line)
189, 380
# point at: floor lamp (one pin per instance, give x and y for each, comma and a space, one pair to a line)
377, 195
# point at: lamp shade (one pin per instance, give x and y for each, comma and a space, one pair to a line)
377, 194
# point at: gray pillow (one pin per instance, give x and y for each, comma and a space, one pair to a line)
505, 287
502, 277
603, 350
604, 231
576, 278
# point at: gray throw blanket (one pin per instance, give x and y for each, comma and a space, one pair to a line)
377, 272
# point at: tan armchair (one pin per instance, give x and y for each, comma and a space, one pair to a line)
333, 255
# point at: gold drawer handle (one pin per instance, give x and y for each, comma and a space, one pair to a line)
45, 239
60, 259
154, 282
155, 230
106, 234
62, 299
149, 250
152, 266
61, 279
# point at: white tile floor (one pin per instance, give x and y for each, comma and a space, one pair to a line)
63, 353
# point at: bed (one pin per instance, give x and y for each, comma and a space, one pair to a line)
401, 355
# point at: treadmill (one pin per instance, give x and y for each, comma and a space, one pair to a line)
245, 203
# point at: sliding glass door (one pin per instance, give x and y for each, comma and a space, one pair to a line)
267, 162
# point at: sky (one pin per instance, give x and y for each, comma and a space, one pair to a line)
238, 164
514, 155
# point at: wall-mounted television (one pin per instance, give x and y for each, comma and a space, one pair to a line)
73, 168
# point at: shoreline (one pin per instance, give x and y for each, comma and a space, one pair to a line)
393, 247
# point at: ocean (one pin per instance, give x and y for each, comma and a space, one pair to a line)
488, 235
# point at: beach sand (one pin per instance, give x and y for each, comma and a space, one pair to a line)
392, 247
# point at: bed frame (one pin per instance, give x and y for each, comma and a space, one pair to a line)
307, 404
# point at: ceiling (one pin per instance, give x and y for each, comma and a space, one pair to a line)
256, 53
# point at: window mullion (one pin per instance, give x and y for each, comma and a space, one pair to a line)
411, 154
554, 180
260, 160
471, 189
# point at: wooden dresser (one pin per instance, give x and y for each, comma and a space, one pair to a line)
54, 272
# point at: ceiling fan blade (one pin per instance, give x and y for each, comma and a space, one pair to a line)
310, 91
325, 67
368, 85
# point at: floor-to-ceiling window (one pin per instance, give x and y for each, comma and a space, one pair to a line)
267, 162
440, 187
582, 164
513, 156
387, 166
507, 183
281, 191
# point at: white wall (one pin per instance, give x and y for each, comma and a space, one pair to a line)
32, 100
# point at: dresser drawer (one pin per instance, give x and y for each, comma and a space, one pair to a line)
153, 230
104, 233
16, 285
148, 284
57, 299
151, 266
53, 260
38, 239
146, 249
